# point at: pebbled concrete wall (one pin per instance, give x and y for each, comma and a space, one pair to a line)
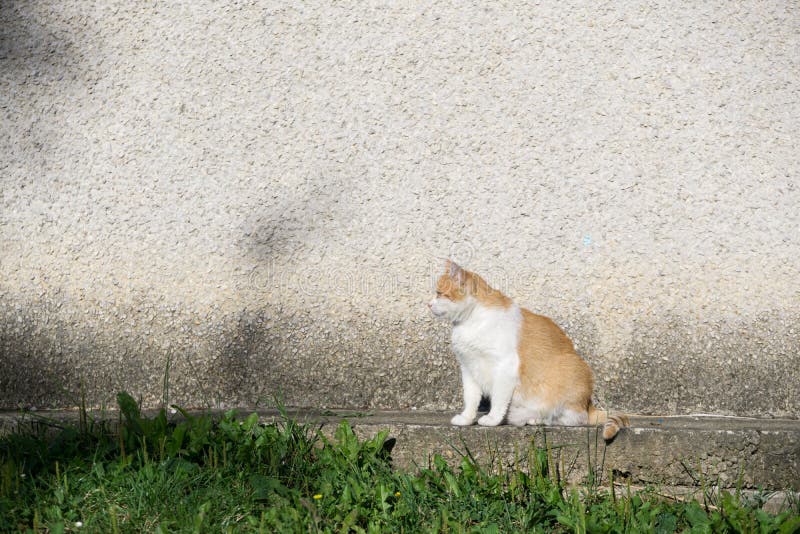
258, 194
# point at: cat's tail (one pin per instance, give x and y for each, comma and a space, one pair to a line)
612, 424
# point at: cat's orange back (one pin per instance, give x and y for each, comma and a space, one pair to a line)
549, 367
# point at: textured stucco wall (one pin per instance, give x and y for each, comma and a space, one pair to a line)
260, 192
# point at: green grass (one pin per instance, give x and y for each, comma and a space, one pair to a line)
236, 475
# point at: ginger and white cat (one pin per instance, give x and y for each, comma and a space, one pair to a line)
522, 361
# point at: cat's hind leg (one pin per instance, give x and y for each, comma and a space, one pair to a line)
517, 417
573, 417
525, 411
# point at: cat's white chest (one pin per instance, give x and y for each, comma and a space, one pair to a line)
486, 344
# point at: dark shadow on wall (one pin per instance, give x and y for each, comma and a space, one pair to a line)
240, 359
32, 374
673, 367
47, 363
50, 363
677, 367
305, 362
28, 379
267, 355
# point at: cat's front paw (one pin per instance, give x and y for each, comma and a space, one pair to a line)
490, 420
461, 420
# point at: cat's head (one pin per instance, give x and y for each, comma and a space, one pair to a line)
453, 297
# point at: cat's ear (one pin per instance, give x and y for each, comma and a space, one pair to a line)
454, 271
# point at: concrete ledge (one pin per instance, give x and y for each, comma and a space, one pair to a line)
669, 451
687, 451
